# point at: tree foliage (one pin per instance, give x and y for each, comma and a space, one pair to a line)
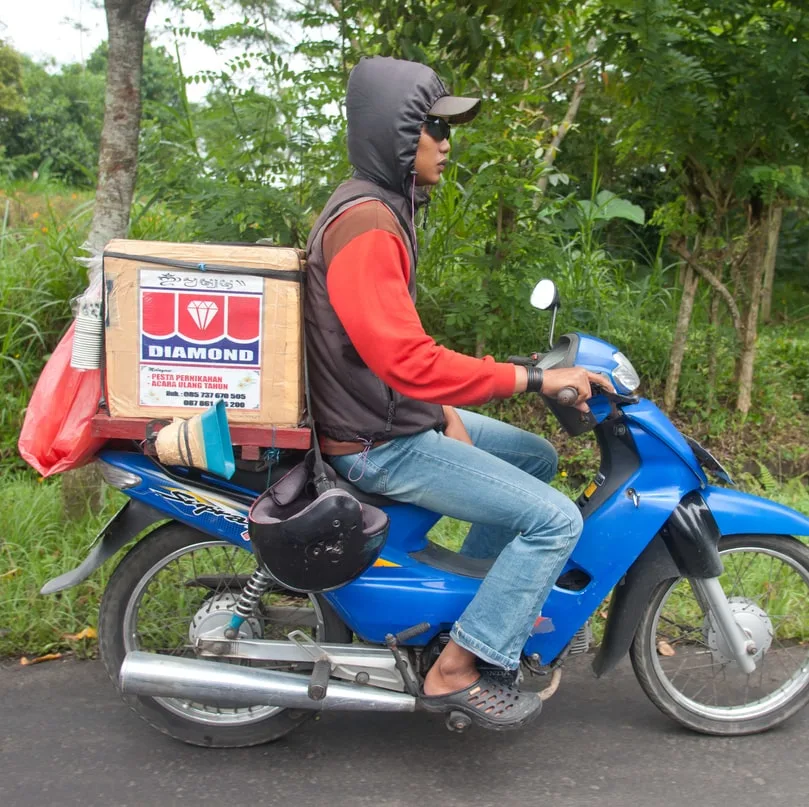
56, 125
718, 94
641, 152
12, 90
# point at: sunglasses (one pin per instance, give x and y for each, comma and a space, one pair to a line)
437, 128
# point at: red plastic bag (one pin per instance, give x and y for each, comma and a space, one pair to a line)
56, 434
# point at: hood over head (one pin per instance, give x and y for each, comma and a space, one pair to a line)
386, 104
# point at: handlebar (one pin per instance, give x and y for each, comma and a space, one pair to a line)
567, 396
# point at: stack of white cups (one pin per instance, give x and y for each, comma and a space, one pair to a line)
88, 337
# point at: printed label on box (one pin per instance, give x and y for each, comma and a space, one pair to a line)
200, 339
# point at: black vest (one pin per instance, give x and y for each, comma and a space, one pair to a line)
349, 401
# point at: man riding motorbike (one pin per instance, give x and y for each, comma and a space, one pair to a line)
383, 392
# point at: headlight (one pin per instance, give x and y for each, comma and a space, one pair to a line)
625, 374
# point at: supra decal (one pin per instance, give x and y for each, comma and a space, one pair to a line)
201, 506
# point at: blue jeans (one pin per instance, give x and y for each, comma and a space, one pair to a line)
500, 485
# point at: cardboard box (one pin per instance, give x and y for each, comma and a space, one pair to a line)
184, 327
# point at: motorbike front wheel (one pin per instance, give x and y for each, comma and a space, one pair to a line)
178, 583
683, 665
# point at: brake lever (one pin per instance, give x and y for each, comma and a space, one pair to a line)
526, 361
567, 396
615, 397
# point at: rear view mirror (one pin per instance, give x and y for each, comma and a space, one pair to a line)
545, 295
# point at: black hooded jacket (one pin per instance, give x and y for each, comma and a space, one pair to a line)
386, 103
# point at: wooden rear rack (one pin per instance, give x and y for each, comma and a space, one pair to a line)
251, 438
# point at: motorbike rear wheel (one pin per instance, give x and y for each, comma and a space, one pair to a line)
178, 582
680, 659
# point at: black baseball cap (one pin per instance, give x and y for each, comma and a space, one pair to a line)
455, 109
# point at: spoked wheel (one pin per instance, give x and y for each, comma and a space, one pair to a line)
681, 660
177, 584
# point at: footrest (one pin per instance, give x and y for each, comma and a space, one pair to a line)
319, 682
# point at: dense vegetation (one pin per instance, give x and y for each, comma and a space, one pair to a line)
650, 156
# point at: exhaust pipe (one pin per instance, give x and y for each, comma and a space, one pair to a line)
215, 683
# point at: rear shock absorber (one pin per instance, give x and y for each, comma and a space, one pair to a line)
255, 588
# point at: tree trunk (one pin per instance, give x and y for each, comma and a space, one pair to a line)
117, 169
564, 127
748, 355
690, 281
774, 218
118, 154
713, 336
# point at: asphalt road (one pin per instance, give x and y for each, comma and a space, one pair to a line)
66, 739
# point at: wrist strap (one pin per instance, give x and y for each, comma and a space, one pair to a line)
535, 377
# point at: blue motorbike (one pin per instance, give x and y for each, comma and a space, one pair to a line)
708, 588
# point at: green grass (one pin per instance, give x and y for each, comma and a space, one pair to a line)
37, 543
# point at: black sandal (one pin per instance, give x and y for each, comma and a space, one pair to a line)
490, 704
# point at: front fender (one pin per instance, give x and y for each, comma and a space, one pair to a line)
131, 520
629, 598
739, 513
684, 548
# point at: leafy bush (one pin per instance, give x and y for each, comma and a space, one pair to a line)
40, 275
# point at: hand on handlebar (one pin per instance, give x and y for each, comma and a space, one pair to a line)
578, 380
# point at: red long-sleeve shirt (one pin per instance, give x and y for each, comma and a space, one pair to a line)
367, 277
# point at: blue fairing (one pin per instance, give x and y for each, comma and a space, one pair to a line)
595, 354
405, 591
646, 415
742, 514
212, 512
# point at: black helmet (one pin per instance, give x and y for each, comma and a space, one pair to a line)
314, 543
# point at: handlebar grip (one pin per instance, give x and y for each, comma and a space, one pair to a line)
567, 396
525, 361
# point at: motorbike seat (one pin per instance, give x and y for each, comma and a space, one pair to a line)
375, 499
257, 481
448, 561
